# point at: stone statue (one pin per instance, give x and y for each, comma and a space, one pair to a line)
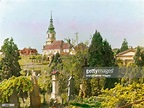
71, 88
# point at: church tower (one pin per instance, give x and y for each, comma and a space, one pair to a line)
50, 33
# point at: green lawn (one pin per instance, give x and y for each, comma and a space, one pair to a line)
27, 64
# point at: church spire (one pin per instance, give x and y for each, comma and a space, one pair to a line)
51, 27
50, 32
51, 20
51, 14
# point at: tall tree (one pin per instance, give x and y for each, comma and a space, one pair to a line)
109, 61
108, 54
95, 59
10, 64
95, 50
139, 57
100, 54
124, 46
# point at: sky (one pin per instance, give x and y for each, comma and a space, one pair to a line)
27, 21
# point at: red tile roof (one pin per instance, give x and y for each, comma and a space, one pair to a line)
54, 45
28, 51
66, 46
57, 45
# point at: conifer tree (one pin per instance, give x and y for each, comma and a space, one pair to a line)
9, 63
100, 54
124, 45
95, 59
95, 50
108, 55
109, 61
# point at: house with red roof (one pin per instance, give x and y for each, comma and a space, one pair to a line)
28, 51
54, 46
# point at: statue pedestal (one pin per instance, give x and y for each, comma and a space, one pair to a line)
55, 88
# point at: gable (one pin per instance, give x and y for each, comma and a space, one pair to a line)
128, 54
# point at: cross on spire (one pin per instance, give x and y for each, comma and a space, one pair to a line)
51, 20
51, 14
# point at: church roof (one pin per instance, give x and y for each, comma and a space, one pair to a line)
59, 44
66, 46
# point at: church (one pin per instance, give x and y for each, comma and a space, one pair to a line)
54, 46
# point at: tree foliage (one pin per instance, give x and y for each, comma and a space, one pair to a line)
95, 59
130, 96
139, 57
10, 65
124, 46
44, 82
56, 62
108, 55
95, 51
21, 84
73, 65
100, 54
109, 61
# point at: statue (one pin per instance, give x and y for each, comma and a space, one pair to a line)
71, 88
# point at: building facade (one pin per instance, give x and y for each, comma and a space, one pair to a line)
126, 56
